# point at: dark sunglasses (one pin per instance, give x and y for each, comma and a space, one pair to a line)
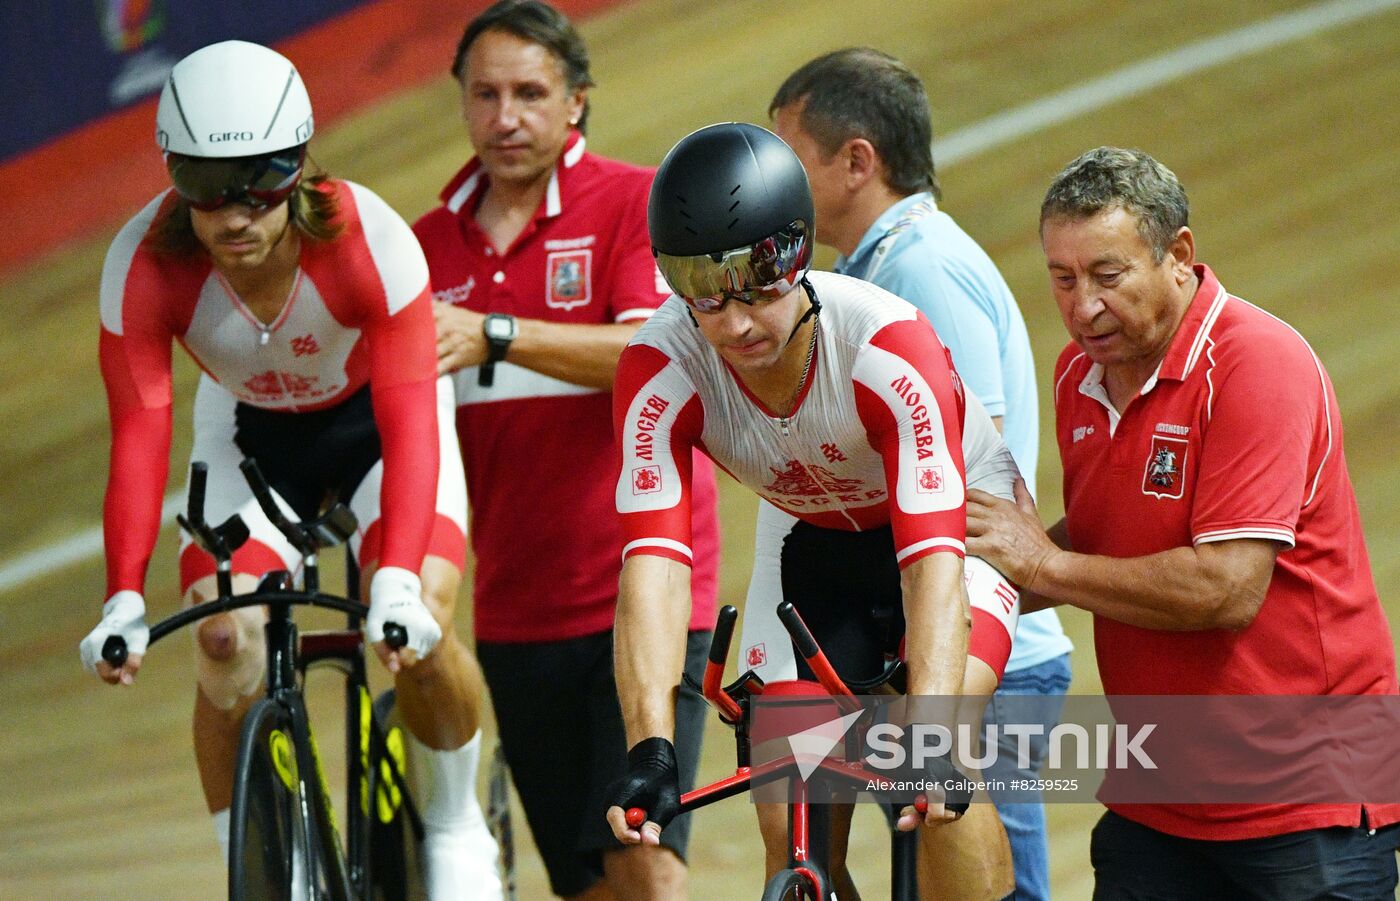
262, 181
757, 273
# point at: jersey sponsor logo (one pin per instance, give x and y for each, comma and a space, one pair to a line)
918, 414
809, 481
643, 440
1163, 476
1005, 595
305, 345
458, 294
1172, 429
570, 243
833, 453
929, 479
569, 277
756, 655
646, 480
1082, 432
273, 384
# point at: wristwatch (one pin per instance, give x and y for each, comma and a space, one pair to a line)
500, 329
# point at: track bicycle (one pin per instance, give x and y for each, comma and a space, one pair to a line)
805, 877
284, 840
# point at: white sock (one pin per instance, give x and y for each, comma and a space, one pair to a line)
459, 854
220, 818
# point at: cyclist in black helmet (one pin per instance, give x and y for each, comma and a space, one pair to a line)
836, 402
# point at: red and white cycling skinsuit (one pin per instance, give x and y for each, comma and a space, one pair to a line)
881, 407
359, 312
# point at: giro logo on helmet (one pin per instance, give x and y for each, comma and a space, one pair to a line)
230, 136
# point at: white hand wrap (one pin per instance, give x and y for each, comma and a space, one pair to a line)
396, 596
124, 614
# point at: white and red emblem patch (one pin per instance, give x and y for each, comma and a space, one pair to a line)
1165, 475
569, 279
756, 656
646, 480
929, 479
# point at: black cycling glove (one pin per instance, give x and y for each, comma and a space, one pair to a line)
940, 770
957, 794
652, 781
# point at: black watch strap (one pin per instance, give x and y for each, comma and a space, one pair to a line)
500, 330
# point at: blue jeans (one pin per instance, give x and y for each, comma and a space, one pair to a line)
1031, 695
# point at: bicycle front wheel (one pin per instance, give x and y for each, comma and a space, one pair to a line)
790, 885
265, 822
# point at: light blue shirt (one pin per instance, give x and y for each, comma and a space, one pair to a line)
919, 253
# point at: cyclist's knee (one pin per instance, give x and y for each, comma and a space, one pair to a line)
230, 655
441, 582
224, 636
645, 872
219, 637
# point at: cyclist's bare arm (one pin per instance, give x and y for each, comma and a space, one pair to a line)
938, 621
653, 613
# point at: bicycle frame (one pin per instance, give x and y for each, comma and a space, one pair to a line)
375, 779
808, 833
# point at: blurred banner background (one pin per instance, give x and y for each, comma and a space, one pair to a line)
81, 78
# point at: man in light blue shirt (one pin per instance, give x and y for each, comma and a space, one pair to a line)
859, 121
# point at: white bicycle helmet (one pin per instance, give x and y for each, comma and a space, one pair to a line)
233, 99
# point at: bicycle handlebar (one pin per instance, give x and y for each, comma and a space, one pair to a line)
724, 634
114, 649
199, 479
713, 686
115, 652
811, 652
263, 492
222, 541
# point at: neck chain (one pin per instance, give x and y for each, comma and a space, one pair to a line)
806, 370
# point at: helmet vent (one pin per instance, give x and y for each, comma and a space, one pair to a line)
291, 79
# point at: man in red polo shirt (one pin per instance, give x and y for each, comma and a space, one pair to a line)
541, 263
1214, 531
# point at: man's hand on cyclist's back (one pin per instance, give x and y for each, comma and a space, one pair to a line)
124, 615
396, 596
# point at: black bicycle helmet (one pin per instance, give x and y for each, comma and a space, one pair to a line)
725, 187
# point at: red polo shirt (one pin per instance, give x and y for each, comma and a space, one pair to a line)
539, 453
1237, 435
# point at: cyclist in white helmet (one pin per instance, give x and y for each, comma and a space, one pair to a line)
296, 295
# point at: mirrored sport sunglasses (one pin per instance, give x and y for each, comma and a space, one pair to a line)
258, 181
757, 273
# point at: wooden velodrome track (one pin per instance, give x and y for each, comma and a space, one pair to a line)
1289, 155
